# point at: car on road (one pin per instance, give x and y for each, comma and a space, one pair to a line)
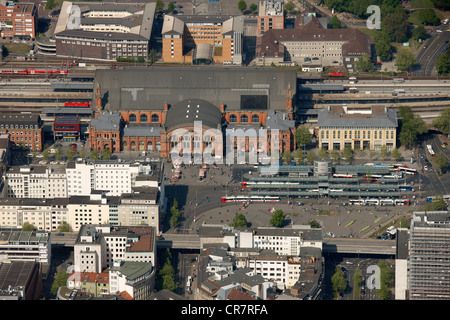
300, 204
422, 156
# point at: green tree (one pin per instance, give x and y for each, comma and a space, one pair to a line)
443, 64
289, 7
411, 126
338, 282
159, 5
106, 154
242, 6
64, 227
59, 281
383, 152
302, 137
71, 154
405, 59
314, 224
335, 23
335, 156
419, 33
442, 121
440, 161
253, 7
323, 153
396, 26
364, 64
239, 221
278, 218
58, 153
152, 56
441, 4
171, 7
428, 17
396, 154
437, 204
166, 277
287, 157
386, 281
383, 46
347, 153
50, 4
94, 155
174, 213
46, 154
27, 226
310, 157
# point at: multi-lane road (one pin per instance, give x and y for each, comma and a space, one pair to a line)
431, 50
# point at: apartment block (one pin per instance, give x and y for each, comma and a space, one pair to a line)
428, 261
128, 254
36, 182
286, 241
18, 19
111, 176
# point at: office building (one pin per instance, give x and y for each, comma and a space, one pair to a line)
18, 19
25, 130
270, 15
312, 45
428, 262
104, 31
203, 39
19, 245
370, 128
36, 181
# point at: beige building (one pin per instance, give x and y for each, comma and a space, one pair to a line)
36, 182
339, 127
311, 44
200, 39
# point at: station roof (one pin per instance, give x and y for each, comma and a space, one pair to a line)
149, 88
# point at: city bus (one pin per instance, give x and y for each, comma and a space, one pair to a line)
271, 199
407, 170
387, 202
401, 202
372, 202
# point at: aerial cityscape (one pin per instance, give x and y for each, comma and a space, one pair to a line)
242, 151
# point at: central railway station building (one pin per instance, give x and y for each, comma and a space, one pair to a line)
140, 109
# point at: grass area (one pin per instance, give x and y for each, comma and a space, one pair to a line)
18, 48
370, 32
421, 4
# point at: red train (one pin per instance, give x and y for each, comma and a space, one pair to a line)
33, 71
77, 104
336, 74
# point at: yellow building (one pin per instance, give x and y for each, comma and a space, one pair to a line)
200, 39
359, 129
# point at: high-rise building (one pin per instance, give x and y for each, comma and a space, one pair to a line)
270, 15
429, 256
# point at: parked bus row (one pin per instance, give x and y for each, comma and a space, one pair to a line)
249, 199
445, 197
379, 202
